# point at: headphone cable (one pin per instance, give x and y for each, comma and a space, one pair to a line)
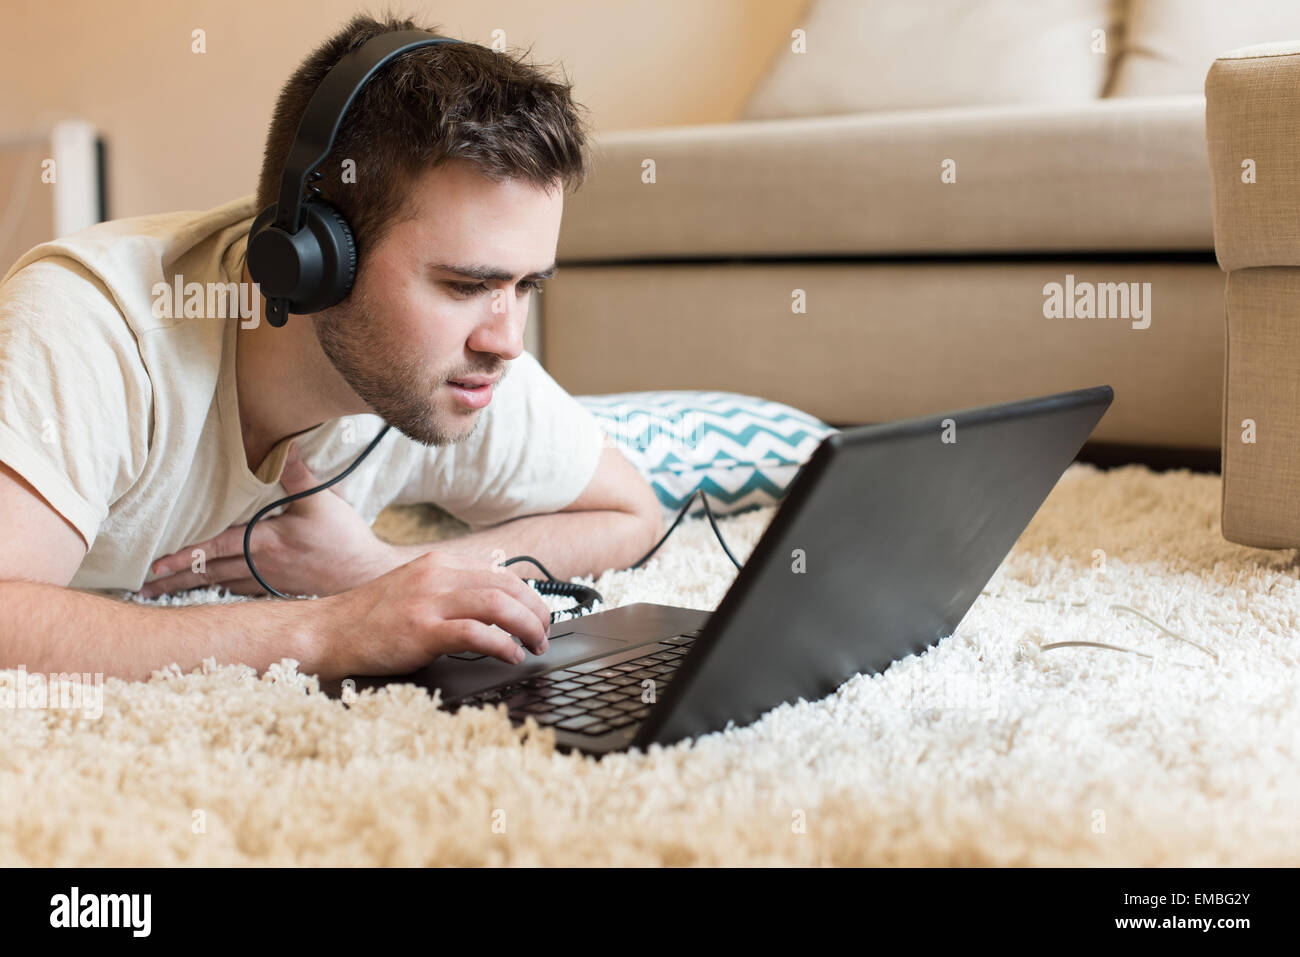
289, 499
584, 595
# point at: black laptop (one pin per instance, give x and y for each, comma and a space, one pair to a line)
882, 544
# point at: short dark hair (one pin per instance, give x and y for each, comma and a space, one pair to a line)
511, 119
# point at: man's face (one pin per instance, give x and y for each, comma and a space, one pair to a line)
440, 302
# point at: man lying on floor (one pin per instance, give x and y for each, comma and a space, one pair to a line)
140, 427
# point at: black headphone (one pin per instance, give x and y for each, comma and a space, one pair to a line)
300, 249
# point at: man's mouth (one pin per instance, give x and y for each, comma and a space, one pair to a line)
475, 391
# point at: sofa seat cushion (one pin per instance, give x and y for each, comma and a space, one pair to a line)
888, 340
1112, 175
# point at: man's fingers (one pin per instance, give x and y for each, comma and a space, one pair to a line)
518, 588
228, 544
217, 572
468, 634
476, 575
493, 606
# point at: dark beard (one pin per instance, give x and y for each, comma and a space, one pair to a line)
392, 384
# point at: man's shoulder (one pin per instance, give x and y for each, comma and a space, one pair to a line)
139, 262
59, 297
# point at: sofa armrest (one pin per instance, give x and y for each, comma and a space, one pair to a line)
1252, 129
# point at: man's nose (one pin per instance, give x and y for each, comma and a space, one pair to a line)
501, 331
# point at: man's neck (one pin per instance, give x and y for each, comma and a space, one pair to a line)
280, 377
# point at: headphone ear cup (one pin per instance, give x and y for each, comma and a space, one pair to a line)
337, 252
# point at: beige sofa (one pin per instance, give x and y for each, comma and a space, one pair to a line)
916, 179
1253, 128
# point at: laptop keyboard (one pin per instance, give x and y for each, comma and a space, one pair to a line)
591, 702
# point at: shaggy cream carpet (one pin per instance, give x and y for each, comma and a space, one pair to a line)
1006, 744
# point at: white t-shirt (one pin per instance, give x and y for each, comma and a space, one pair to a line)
128, 424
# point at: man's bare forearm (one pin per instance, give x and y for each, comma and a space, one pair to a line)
569, 544
46, 628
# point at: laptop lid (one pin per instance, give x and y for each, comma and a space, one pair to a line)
885, 540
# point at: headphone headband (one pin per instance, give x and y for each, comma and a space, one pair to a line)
300, 249
326, 109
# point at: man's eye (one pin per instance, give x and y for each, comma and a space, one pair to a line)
474, 288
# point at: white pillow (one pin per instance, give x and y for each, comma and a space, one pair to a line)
873, 55
1171, 44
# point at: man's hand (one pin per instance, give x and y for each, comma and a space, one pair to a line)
434, 605
318, 546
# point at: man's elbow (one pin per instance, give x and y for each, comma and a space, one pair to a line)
644, 507
635, 518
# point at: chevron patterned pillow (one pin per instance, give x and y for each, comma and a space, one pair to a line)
741, 450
